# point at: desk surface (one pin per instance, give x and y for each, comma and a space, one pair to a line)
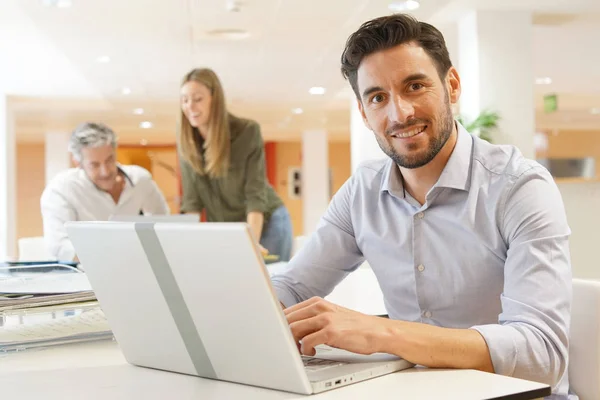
98, 371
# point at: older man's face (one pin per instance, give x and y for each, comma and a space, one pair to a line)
100, 165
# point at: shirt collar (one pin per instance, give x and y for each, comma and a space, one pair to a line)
456, 173
128, 180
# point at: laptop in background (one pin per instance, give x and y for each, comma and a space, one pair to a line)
156, 218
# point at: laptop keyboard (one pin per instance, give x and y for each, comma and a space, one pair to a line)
313, 364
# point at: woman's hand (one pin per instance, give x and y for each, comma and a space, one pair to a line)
263, 251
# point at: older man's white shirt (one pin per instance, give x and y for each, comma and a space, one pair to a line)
72, 196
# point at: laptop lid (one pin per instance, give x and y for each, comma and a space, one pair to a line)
191, 298
156, 218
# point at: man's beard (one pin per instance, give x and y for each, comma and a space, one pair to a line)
436, 144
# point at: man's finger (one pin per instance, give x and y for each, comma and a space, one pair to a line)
305, 327
309, 342
309, 311
306, 303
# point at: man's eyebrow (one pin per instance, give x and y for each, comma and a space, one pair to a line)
410, 78
370, 90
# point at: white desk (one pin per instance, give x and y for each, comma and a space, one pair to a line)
98, 371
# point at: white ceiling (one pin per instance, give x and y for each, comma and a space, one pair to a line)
49, 60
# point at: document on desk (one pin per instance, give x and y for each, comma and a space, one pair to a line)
45, 283
89, 325
7, 304
44, 289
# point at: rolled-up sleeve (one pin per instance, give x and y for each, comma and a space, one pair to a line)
255, 186
56, 210
329, 255
531, 339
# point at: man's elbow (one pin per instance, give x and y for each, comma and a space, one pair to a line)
559, 360
549, 366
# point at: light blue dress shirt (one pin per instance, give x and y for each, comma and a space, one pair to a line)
488, 250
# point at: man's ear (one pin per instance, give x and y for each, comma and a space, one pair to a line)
362, 113
453, 83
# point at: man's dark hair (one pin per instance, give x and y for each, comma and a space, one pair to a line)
390, 31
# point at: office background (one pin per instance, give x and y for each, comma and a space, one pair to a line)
67, 61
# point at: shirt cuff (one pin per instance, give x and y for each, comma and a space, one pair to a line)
284, 295
255, 207
66, 252
502, 347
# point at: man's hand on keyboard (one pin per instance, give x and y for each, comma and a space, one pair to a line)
317, 321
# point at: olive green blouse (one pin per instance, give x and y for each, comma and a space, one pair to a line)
242, 190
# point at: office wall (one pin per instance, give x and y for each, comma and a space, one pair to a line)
581, 199
582, 204
289, 155
573, 143
30, 185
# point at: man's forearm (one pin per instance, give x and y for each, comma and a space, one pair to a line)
435, 347
256, 219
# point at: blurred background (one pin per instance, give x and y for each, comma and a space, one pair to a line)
529, 70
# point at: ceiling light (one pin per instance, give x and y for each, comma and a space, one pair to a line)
138, 111
297, 111
64, 3
103, 59
146, 125
235, 34
144, 142
126, 91
58, 3
317, 90
400, 6
595, 111
543, 81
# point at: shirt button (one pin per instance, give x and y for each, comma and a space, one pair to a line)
427, 314
421, 268
420, 215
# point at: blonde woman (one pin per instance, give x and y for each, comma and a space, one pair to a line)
223, 165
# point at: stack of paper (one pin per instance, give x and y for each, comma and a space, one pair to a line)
89, 325
64, 305
38, 290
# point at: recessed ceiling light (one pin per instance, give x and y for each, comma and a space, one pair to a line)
146, 125
317, 90
103, 59
595, 111
297, 111
235, 34
144, 142
64, 3
543, 81
138, 111
400, 6
126, 91
58, 3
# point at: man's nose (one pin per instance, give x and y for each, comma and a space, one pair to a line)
401, 110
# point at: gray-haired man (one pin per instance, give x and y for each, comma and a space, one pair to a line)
97, 189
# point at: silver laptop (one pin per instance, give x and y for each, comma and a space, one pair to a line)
197, 299
156, 218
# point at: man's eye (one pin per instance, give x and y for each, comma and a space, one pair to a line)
416, 86
377, 98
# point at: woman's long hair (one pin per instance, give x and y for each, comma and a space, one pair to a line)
217, 145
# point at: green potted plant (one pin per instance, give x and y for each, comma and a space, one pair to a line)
482, 126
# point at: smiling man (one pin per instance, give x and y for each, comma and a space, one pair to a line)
96, 190
468, 240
